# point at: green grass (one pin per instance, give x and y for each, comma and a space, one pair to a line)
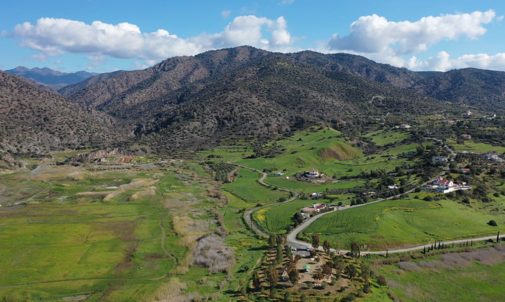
307, 150
475, 147
247, 188
381, 137
275, 219
397, 228
474, 283
300, 186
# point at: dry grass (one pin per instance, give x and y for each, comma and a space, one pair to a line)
213, 254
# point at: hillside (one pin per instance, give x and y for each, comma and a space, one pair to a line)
51, 78
481, 88
36, 120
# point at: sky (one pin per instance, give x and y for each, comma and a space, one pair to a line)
104, 35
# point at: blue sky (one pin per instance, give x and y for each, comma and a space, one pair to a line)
102, 35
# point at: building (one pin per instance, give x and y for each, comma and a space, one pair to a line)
444, 183
448, 122
278, 174
466, 136
491, 156
465, 170
438, 159
468, 113
313, 173
405, 126
316, 196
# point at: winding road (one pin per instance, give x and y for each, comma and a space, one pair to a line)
292, 237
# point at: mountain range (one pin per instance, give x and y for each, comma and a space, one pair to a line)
51, 78
194, 102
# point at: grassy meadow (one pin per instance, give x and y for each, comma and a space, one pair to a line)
247, 187
402, 223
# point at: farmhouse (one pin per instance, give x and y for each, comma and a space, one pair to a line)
316, 196
278, 174
491, 156
313, 173
438, 159
466, 136
443, 182
405, 126
445, 186
465, 170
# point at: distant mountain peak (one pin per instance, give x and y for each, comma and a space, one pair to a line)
49, 77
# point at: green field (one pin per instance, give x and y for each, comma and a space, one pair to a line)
305, 150
63, 245
381, 137
475, 147
249, 189
415, 222
275, 219
474, 283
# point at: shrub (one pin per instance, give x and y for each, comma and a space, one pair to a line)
428, 198
381, 280
492, 223
273, 293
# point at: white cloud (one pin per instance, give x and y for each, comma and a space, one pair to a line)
40, 57
442, 62
54, 37
288, 1
57, 62
139, 66
225, 14
375, 34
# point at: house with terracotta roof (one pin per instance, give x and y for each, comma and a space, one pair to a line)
465, 170
445, 183
313, 173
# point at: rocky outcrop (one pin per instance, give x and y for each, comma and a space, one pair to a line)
101, 154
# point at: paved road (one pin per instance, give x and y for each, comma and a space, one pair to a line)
291, 239
248, 214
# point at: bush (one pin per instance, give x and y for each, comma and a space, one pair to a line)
273, 293
381, 280
428, 198
492, 223
361, 293
417, 190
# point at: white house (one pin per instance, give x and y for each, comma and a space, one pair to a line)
491, 156
437, 159
445, 183
313, 173
405, 126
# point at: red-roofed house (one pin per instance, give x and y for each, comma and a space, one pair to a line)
313, 173
465, 170
443, 182
466, 136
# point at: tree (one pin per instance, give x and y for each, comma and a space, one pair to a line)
351, 271
492, 223
273, 293
303, 298
272, 276
313, 253
280, 254
318, 276
326, 269
256, 280
326, 246
271, 240
294, 276
355, 250
339, 266
315, 241
287, 297
297, 258
288, 252
381, 280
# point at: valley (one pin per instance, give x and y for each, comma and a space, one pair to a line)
245, 175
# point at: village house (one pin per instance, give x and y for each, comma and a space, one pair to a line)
466, 136
448, 122
278, 174
438, 159
405, 126
491, 156
313, 173
316, 195
465, 170
445, 183
468, 113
